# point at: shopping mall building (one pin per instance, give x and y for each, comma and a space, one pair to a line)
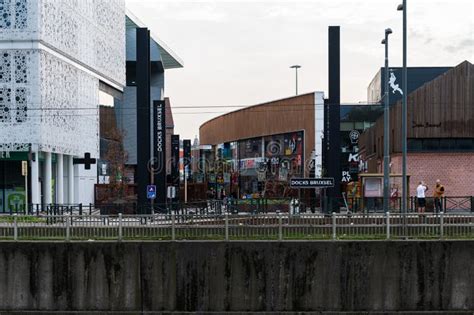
258, 148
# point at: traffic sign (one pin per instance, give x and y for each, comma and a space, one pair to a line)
24, 168
151, 191
171, 192
312, 182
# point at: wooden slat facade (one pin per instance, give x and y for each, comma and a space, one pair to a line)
441, 108
277, 117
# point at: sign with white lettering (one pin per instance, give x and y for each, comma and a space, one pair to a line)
312, 182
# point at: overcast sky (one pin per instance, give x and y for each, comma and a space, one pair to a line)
239, 52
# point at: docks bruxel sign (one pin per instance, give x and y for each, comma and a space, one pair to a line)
312, 182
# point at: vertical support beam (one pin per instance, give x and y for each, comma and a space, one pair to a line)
48, 196
405, 192
70, 179
386, 135
143, 117
333, 141
60, 179
34, 179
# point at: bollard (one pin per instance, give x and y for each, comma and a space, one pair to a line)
388, 224
441, 224
280, 227
226, 216
15, 228
120, 227
68, 231
334, 225
173, 235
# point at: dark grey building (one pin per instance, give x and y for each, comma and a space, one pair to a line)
162, 59
417, 76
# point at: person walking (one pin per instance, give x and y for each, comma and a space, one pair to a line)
420, 196
438, 196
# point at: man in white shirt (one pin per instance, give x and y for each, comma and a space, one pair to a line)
420, 196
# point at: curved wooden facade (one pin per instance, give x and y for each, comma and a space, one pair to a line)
282, 116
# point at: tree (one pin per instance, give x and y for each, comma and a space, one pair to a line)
116, 157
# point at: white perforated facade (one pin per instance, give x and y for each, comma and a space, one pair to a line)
53, 53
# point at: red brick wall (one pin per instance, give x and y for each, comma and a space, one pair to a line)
455, 170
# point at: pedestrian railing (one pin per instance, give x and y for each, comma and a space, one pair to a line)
227, 226
462, 204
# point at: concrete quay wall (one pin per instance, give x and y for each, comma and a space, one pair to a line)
252, 276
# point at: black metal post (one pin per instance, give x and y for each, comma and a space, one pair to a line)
143, 116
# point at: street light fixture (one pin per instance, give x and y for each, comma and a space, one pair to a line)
296, 67
403, 7
386, 131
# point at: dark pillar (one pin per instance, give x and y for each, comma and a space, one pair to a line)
175, 160
143, 117
159, 152
332, 138
187, 154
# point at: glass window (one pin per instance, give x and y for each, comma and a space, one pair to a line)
414, 145
430, 145
446, 144
464, 144
347, 126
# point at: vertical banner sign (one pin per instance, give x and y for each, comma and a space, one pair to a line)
187, 154
175, 159
159, 152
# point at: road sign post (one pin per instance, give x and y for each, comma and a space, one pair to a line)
24, 172
311, 183
151, 192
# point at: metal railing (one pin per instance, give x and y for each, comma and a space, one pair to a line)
225, 226
462, 204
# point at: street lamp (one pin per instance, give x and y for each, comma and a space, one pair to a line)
403, 7
386, 131
296, 67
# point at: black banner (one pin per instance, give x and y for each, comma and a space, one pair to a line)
175, 160
159, 151
312, 182
187, 153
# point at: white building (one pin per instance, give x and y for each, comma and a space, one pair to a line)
55, 56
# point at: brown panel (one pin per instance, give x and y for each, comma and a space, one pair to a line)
281, 116
441, 108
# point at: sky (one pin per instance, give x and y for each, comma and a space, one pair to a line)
239, 52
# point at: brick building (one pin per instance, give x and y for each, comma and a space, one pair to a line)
440, 134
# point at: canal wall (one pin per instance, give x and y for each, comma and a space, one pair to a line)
253, 276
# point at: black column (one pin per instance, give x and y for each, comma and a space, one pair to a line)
187, 155
159, 152
175, 160
333, 139
143, 117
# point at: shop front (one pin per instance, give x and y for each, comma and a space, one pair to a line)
12, 183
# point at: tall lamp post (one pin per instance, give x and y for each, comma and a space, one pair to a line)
403, 7
296, 67
386, 131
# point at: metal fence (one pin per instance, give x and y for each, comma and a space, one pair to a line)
277, 226
258, 205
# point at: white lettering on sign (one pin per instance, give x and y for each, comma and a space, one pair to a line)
4, 154
353, 157
346, 177
317, 182
159, 133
